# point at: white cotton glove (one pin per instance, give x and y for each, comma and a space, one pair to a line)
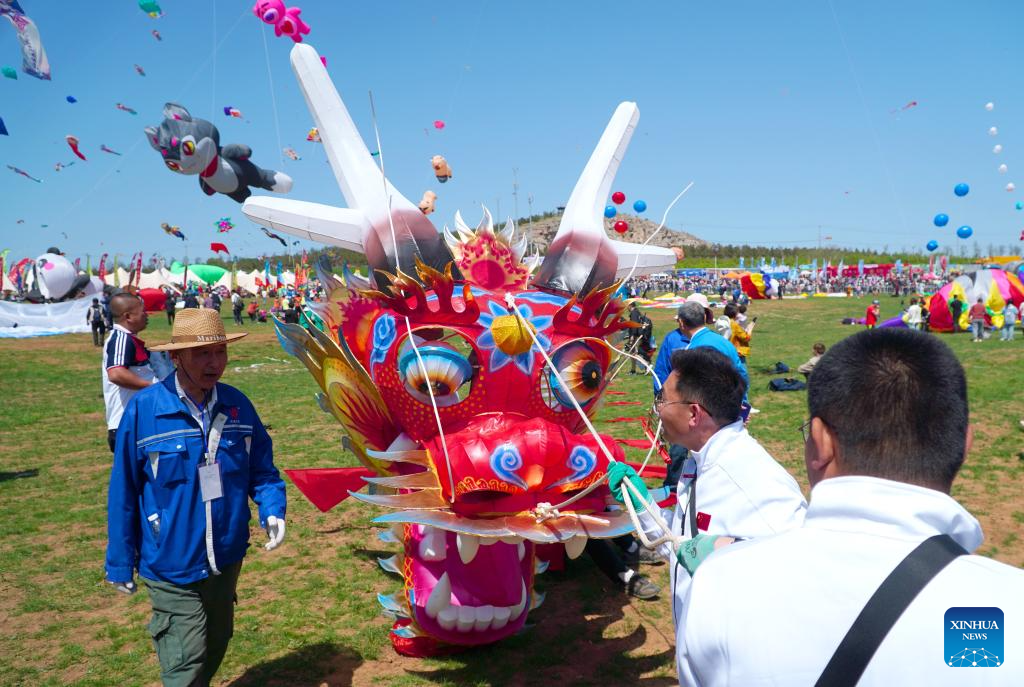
275, 530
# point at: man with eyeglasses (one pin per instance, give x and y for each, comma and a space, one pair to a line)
730, 486
876, 587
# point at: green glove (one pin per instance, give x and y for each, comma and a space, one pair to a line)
619, 471
692, 553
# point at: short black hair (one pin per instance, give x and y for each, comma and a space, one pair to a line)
896, 400
730, 310
707, 377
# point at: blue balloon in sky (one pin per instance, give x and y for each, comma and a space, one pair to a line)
639, 206
609, 211
961, 189
941, 219
932, 245
964, 232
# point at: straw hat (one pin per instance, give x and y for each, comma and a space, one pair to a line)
195, 327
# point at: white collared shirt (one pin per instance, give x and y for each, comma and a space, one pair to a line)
741, 492
773, 611
203, 416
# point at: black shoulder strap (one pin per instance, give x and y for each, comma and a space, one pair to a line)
885, 607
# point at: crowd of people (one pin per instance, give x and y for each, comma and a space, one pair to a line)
710, 283
880, 494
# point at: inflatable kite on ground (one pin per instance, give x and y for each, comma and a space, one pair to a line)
33, 56
285, 20
462, 380
192, 146
758, 285
209, 274
272, 235
73, 144
224, 225
24, 174
995, 287
172, 231
441, 169
105, 149
125, 108
53, 278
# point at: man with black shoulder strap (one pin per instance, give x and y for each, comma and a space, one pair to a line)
189, 454
877, 587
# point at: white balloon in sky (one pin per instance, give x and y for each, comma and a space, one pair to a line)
993, 131
1010, 187
1002, 169
997, 149
990, 106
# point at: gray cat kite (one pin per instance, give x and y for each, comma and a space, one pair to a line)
192, 146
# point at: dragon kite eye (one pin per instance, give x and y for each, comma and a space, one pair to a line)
188, 147
445, 371
172, 165
582, 368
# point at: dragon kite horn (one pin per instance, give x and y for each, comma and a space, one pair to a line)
378, 219
582, 257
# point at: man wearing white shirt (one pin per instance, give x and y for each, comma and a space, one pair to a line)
887, 434
730, 486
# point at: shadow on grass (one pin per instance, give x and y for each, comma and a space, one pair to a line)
5, 476
325, 663
580, 639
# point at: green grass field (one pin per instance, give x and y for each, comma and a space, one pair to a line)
307, 612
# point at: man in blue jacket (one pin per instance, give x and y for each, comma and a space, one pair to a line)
189, 454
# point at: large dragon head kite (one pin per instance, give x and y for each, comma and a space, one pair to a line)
459, 374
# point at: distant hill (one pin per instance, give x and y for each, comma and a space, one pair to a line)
542, 231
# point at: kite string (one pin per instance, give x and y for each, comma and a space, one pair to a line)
408, 325
273, 95
664, 218
867, 118
196, 73
213, 78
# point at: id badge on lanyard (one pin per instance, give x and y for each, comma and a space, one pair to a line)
210, 486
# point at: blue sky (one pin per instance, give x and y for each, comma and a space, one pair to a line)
779, 112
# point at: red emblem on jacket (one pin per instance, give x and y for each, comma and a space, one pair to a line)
703, 520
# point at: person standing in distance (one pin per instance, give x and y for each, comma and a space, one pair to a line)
95, 318
190, 454
126, 366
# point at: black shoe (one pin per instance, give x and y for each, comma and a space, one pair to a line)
642, 588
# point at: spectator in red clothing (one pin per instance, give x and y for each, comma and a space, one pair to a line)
871, 316
977, 317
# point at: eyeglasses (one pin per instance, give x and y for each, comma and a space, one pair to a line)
660, 403
805, 429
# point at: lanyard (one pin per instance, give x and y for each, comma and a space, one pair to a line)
201, 407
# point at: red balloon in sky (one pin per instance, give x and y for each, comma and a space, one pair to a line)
618, 197
621, 226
